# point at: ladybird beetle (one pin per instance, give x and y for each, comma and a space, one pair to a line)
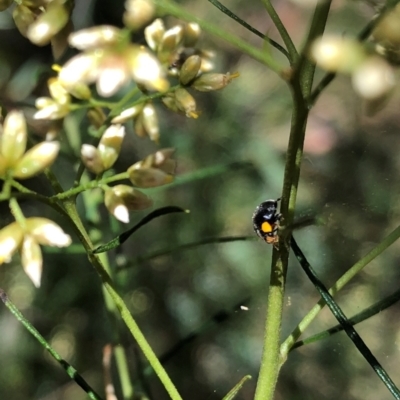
266, 221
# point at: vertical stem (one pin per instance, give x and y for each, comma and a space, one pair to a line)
270, 362
300, 84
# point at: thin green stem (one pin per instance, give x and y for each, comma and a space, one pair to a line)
344, 322
369, 312
71, 371
240, 21
123, 310
17, 212
300, 84
293, 55
260, 55
341, 282
89, 185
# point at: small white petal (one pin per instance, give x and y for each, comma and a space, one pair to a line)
121, 213
31, 258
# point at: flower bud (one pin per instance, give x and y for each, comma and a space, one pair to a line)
50, 109
190, 69
155, 170
192, 32
149, 177
92, 38
154, 34
169, 102
13, 139
31, 259
58, 92
110, 145
373, 79
10, 239
121, 198
36, 160
186, 103
48, 24
127, 114
387, 31
150, 122
79, 69
170, 41
96, 117
138, 13
46, 232
334, 53
23, 17
90, 156
146, 69
213, 81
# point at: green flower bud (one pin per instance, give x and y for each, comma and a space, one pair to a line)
186, 103
150, 122
110, 145
23, 17
46, 232
154, 34
171, 39
31, 259
190, 69
191, 34
10, 239
213, 81
58, 92
13, 139
48, 24
121, 198
138, 126
138, 13
90, 156
146, 70
155, 170
96, 117
149, 177
36, 160
169, 102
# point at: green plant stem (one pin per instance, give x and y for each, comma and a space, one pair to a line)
369, 312
344, 322
264, 57
17, 212
240, 21
123, 310
341, 282
89, 185
293, 55
71, 371
300, 85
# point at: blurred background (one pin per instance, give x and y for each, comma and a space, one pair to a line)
349, 178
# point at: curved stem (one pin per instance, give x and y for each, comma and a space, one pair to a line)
293, 55
123, 310
240, 21
341, 282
